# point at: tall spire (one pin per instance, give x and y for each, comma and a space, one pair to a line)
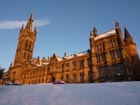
119, 33
95, 32
127, 34
30, 23
11, 64
117, 24
22, 27
90, 33
35, 29
65, 54
31, 17
127, 37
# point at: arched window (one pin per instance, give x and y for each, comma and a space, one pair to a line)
30, 45
114, 43
111, 43
28, 56
24, 55
26, 44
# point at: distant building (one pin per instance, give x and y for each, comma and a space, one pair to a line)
110, 58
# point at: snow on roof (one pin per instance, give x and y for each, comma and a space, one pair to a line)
38, 65
58, 58
69, 57
106, 34
45, 63
78, 54
34, 60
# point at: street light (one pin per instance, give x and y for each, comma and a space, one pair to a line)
119, 76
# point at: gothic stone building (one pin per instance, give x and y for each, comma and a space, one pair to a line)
110, 58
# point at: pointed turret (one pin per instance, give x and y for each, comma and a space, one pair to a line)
54, 55
128, 38
31, 17
119, 33
91, 35
126, 33
11, 64
38, 60
22, 28
30, 23
117, 24
35, 30
44, 60
65, 54
95, 32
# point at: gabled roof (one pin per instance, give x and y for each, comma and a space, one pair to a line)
44, 60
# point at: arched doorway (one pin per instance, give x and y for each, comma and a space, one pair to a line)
53, 78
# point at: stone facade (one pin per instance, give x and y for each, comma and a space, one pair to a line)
110, 58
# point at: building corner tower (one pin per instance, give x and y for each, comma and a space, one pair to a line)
133, 54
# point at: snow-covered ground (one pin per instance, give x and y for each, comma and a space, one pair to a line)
123, 93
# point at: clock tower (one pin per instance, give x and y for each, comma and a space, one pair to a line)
26, 43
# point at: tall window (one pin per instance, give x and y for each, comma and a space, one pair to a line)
103, 57
89, 62
74, 64
62, 66
101, 46
90, 76
118, 53
114, 42
30, 45
28, 56
24, 54
74, 77
67, 78
111, 44
67, 66
97, 49
98, 58
112, 53
26, 44
82, 63
102, 72
82, 77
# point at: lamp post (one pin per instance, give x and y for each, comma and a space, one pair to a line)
83, 76
119, 76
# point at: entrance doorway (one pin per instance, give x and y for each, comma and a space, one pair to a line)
53, 78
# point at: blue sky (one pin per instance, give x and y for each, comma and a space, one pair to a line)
64, 25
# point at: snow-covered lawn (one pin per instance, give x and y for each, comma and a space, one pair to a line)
123, 93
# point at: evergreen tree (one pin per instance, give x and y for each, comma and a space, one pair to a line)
1, 72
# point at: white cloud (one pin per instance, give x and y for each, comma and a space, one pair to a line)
41, 22
17, 24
